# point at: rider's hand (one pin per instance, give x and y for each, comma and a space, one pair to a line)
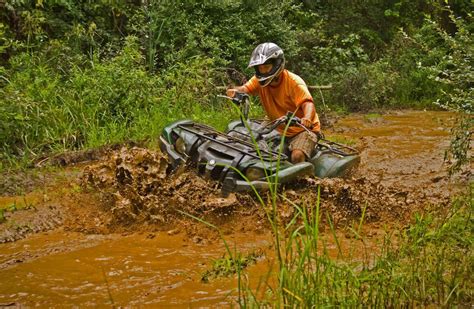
307, 123
231, 92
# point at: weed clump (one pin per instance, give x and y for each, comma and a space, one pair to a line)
227, 266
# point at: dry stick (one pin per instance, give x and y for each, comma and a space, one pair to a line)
320, 87
311, 87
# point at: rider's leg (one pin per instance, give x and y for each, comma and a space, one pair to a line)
302, 146
297, 156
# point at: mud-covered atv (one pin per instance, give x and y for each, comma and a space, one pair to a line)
250, 153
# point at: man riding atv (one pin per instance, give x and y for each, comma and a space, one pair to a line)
248, 155
280, 92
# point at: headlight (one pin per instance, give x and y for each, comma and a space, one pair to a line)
253, 173
180, 146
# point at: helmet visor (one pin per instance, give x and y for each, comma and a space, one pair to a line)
269, 68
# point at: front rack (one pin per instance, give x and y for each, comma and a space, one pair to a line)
211, 134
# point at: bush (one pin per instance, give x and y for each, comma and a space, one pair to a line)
409, 58
455, 75
368, 87
67, 80
108, 101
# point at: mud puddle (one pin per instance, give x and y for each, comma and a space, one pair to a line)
126, 241
96, 270
402, 149
156, 269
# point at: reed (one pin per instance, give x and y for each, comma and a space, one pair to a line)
431, 265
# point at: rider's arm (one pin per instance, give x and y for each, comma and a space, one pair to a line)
231, 91
309, 111
250, 87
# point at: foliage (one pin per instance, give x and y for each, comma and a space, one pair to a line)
408, 57
455, 74
81, 74
368, 87
460, 144
228, 266
108, 101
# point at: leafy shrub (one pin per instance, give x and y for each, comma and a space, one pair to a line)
409, 58
29, 105
454, 72
67, 81
370, 86
108, 101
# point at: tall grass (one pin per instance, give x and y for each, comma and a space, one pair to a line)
50, 103
431, 265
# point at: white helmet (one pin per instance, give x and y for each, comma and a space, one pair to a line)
267, 53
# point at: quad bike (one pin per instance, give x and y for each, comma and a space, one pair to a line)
250, 154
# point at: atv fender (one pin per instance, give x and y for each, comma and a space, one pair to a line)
328, 164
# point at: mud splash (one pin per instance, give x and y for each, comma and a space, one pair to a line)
135, 188
402, 171
130, 188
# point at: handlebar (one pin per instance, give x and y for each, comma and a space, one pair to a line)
239, 98
288, 118
243, 100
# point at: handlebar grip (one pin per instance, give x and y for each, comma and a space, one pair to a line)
238, 98
296, 120
292, 119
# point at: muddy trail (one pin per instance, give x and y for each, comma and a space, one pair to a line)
104, 203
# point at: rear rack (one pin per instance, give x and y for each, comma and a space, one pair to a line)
211, 134
337, 148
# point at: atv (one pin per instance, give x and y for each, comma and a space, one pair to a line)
251, 154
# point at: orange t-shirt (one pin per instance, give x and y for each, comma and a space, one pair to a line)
285, 97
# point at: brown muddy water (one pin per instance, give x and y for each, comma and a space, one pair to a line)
107, 233
92, 270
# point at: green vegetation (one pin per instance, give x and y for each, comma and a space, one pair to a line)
12, 207
76, 75
341, 140
372, 116
230, 265
22, 204
428, 264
